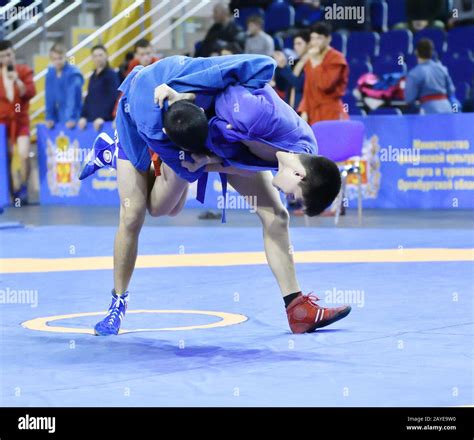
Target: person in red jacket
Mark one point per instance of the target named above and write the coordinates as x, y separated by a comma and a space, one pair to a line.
16, 89
326, 76
143, 55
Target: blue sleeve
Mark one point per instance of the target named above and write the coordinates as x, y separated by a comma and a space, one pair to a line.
50, 98
72, 111
450, 89
411, 88
214, 74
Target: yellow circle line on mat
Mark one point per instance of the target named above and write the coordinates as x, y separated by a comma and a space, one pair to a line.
402, 255
41, 324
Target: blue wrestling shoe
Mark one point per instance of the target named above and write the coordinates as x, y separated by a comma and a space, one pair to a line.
110, 325
104, 153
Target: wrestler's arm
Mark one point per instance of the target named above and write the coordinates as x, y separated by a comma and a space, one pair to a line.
214, 74
219, 168
211, 163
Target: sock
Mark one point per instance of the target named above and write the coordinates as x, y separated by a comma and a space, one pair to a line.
290, 297
120, 295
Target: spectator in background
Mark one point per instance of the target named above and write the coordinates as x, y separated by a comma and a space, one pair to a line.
230, 49
63, 90
289, 76
223, 30
426, 13
16, 89
429, 81
258, 42
464, 12
143, 55
102, 91
326, 76
123, 68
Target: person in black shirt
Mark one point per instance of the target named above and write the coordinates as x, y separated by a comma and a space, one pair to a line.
224, 30
102, 91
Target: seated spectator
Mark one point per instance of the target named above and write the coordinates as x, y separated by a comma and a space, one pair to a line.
464, 13
223, 30
143, 55
326, 77
101, 92
258, 42
289, 76
424, 13
230, 49
429, 82
16, 89
63, 90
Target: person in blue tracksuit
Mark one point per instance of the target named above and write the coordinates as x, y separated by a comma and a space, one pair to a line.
63, 90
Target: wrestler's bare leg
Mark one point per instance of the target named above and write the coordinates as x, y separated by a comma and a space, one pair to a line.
275, 222
168, 193
132, 187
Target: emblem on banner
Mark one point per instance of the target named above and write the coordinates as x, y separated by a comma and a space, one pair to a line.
63, 168
370, 171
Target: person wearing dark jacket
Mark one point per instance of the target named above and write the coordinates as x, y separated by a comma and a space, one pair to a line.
223, 30
102, 92
289, 74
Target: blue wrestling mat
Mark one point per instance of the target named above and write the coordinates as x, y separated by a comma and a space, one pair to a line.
207, 326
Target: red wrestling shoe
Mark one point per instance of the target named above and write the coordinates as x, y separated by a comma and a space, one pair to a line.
305, 316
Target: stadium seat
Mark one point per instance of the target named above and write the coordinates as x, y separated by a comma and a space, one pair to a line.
410, 61
278, 17
437, 36
349, 100
388, 64
278, 41
461, 39
362, 45
461, 70
396, 12
462, 91
245, 13
356, 111
379, 15
288, 42
386, 111
339, 42
448, 57
396, 42
306, 14
356, 70
346, 145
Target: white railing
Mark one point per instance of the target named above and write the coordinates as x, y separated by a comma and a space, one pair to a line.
96, 33
131, 42
26, 25
8, 6
48, 23
24, 11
